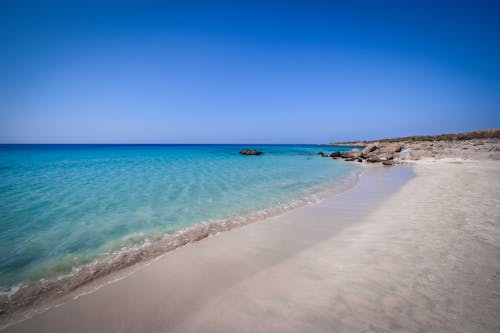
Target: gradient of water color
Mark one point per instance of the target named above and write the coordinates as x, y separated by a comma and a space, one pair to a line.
63, 206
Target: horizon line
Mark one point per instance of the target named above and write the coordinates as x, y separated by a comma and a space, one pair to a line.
131, 143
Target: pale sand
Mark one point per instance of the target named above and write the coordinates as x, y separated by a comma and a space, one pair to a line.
423, 258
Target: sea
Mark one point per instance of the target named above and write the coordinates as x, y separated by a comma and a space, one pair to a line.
66, 206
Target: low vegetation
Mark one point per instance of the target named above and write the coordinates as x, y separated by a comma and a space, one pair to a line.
481, 134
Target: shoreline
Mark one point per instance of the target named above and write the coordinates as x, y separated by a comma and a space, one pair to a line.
422, 256
115, 277
34, 298
476, 145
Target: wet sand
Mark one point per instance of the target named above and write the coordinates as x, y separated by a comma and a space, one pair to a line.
381, 257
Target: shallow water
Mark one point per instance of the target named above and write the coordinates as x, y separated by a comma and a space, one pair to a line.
63, 206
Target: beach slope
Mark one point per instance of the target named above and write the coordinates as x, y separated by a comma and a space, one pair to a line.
424, 256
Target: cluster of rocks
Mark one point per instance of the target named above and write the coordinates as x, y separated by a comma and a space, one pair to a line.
247, 151
372, 153
475, 149
390, 153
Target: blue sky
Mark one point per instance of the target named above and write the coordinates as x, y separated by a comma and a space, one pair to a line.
246, 72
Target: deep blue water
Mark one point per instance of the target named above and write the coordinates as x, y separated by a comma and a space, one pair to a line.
62, 206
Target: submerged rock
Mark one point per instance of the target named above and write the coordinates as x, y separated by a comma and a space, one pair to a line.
336, 154
247, 151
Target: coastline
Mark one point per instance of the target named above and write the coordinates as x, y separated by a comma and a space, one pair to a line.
415, 253
374, 175
64, 207
250, 167
34, 298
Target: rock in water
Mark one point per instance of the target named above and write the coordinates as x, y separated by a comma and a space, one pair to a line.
247, 151
336, 154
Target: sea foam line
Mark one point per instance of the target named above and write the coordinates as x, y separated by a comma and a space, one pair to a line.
45, 292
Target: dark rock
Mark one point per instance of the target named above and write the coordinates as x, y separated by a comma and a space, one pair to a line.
351, 159
388, 162
360, 160
247, 151
336, 154
367, 156
374, 159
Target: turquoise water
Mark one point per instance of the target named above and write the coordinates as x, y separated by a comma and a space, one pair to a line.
62, 206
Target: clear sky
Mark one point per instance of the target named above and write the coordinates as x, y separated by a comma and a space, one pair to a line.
246, 72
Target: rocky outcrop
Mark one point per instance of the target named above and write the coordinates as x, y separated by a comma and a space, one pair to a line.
374, 159
392, 148
247, 151
354, 153
370, 148
393, 152
389, 153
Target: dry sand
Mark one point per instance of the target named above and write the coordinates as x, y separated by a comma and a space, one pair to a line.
424, 257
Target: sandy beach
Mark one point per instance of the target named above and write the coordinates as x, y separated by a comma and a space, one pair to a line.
260, 166
409, 249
